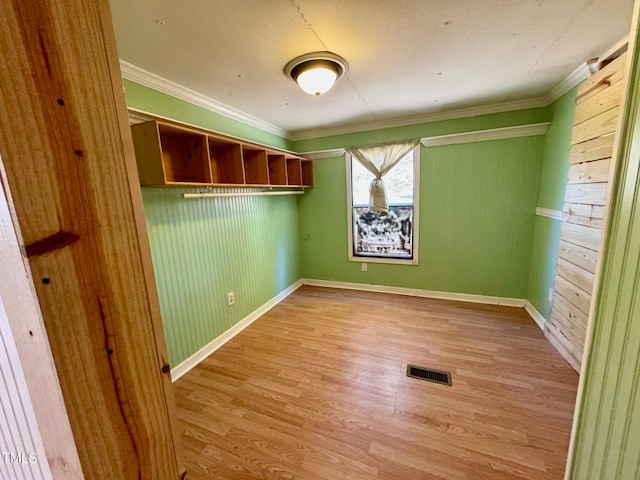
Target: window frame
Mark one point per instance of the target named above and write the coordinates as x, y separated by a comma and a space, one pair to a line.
416, 217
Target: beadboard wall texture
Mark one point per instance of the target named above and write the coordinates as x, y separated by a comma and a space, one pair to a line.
23, 453
553, 180
204, 248
477, 214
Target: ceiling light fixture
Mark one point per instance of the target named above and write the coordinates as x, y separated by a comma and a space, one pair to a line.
316, 72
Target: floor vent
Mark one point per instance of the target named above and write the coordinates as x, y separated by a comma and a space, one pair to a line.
429, 375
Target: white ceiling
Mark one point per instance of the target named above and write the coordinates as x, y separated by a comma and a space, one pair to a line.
406, 57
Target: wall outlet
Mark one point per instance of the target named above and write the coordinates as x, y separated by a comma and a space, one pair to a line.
364, 267
550, 295
231, 298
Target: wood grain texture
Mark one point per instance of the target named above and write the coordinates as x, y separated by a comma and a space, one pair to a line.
580, 256
589, 194
589, 172
583, 214
316, 389
596, 149
602, 124
587, 237
599, 82
68, 172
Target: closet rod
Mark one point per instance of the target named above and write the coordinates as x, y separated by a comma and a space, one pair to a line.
239, 194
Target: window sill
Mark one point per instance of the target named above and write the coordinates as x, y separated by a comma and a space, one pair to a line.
391, 261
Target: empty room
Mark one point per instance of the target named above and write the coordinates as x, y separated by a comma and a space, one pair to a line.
293, 239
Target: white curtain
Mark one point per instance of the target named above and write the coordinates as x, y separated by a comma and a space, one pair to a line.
379, 160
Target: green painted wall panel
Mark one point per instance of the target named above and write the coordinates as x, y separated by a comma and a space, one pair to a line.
544, 255
444, 127
161, 104
204, 248
477, 204
553, 181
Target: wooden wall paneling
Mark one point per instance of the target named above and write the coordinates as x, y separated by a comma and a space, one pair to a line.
575, 274
602, 124
577, 317
569, 350
581, 235
70, 173
595, 149
577, 297
608, 99
591, 160
582, 214
588, 193
600, 81
581, 256
589, 172
572, 330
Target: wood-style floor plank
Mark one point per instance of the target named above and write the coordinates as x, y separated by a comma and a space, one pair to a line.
316, 390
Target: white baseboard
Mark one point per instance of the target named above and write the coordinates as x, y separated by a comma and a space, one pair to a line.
535, 314
179, 370
415, 292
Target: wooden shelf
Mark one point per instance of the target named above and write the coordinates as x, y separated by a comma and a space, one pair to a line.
294, 171
277, 169
256, 171
307, 172
226, 162
173, 155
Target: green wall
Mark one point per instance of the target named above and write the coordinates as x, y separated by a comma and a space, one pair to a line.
204, 248
157, 103
477, 207
553, 180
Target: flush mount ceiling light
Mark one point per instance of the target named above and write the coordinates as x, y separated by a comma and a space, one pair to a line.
316, 72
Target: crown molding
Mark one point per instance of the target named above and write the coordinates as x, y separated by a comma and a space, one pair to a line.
418, 119
319, 154
156, 82
575, 78
484, 135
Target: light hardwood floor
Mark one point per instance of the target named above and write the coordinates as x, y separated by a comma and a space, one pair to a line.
317, 389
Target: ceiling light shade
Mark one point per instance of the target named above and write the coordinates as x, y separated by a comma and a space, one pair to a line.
316, 72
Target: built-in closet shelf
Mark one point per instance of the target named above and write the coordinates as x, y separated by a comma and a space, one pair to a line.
172, 155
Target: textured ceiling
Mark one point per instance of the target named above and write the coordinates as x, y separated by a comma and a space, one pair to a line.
406, 57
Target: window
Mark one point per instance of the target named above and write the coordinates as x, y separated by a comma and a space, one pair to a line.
391, 238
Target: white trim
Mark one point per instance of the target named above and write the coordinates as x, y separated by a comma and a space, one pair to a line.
415, 292
564, 353
575, 78
195, 359
136, 116
416, 217
484, 135
156, 82
319, 154
535, 315
547, 212
186, 365
428, 117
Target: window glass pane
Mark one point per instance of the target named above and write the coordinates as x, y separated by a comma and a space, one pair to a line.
388, 236
360, 179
